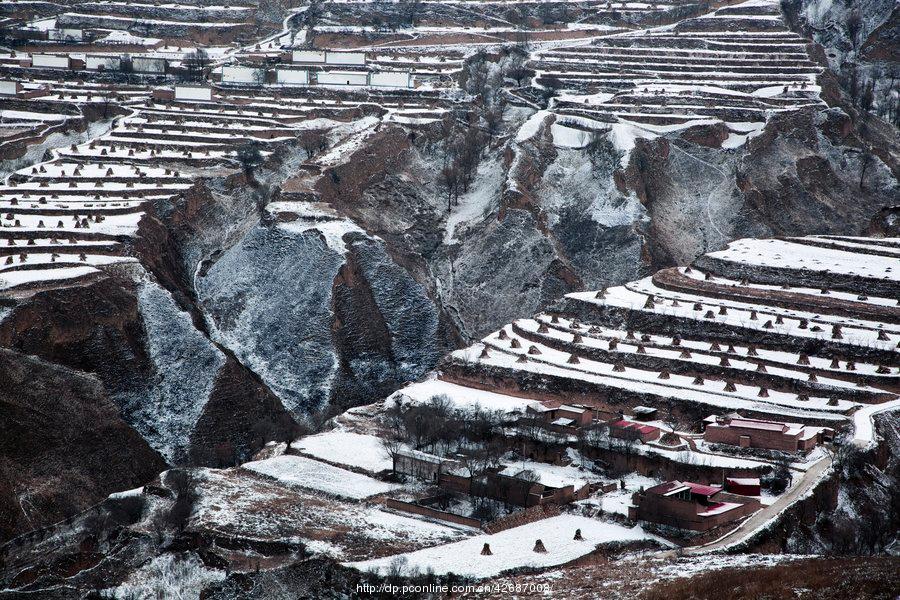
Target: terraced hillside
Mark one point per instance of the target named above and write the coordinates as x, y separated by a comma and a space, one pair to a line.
800, 328
224, 227
737, 65
64, 218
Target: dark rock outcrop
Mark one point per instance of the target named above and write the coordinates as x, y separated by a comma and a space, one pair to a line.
64, 445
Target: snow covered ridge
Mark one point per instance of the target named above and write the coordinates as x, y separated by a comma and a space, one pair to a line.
735, 66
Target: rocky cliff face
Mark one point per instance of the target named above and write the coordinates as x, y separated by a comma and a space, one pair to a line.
793, 179
859, 38
64, 444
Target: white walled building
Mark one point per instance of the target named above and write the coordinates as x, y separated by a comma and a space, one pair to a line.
193, 93
308, 56
50, 61
292, 76
394, 79
345, 58
10, 88
102, 62
150, 65
247, 75
352, 78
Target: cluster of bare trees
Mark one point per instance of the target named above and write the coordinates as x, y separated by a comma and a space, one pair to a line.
196, 65
396, 15
528, 14
467, 135
313, 142
438, 427
461, 157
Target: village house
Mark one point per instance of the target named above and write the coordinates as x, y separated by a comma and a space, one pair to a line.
692, 506
735, 430
564, 415
629, 430
526, 488
421, 465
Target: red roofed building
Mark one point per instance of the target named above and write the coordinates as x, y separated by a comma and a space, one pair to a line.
688, 505
757, 433
629, 430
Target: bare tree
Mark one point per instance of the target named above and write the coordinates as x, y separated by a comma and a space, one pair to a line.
250, 158
865, 160
313, 141
196, 64
854, 26
671, 419
516, 69
392, 448
449, 182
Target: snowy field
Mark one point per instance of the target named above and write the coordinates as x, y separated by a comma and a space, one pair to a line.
235, 502
347, 448
464, 398
318, 476
791, 255
513, 548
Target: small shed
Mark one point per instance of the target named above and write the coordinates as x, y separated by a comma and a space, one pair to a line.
644, 413
745, 486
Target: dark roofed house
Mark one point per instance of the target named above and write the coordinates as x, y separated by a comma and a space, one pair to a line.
688, 505
644, 413
564, 416
745, 486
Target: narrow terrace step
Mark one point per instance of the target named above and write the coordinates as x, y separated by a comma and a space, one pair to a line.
674, 280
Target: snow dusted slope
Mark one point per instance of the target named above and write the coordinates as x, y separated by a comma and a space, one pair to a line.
185, 365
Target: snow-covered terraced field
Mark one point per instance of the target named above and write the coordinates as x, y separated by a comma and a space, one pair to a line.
54, 213
736, 65
742, 340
